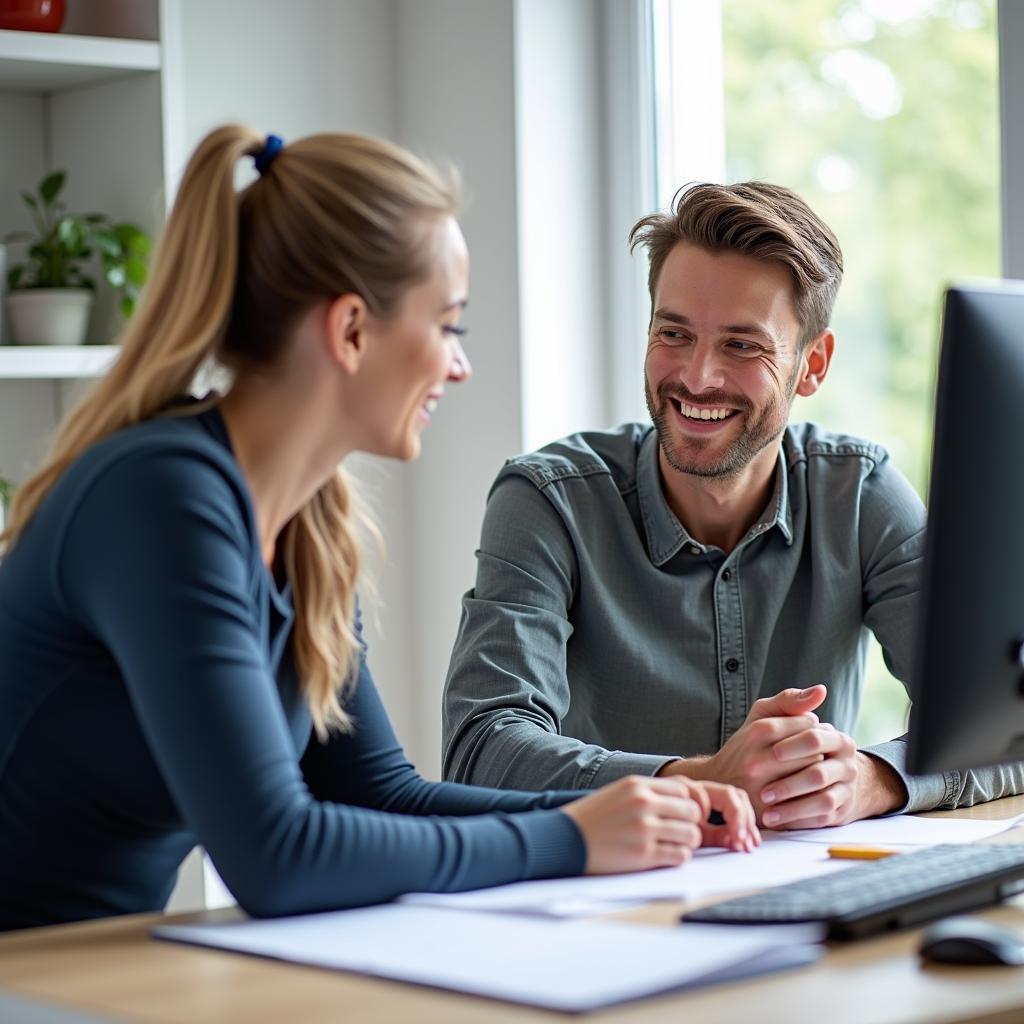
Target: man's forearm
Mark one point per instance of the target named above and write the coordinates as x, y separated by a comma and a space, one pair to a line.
522, 755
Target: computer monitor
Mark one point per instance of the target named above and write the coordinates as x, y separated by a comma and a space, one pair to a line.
968, 685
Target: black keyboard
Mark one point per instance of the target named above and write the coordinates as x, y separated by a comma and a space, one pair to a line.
882, 895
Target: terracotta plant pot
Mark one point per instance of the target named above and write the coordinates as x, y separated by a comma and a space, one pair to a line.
49, 316
32, 15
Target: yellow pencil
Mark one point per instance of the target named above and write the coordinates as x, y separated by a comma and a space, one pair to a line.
859, 852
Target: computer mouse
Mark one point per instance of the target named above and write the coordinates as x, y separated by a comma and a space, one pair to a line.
972, 940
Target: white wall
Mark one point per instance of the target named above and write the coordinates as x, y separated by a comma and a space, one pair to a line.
295, 68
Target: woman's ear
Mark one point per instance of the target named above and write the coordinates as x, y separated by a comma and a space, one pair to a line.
347, 323
816, 359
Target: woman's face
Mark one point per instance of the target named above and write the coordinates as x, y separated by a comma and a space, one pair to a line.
418, 350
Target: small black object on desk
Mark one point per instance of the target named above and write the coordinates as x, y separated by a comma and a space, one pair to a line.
972, 940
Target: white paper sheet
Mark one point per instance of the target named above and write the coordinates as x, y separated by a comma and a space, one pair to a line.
711, 872
906, 830
783, 857
559, 965
778, 860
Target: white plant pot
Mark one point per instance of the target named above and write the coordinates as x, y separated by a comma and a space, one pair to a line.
49, 316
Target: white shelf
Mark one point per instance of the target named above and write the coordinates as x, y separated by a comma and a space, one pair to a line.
44, 61
54, 362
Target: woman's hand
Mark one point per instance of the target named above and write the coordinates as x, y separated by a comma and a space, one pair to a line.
735, 821
639, 823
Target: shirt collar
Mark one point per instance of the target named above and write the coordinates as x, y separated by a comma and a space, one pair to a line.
666, 535
779, 511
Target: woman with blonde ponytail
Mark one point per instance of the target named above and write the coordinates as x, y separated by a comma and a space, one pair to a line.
181, 659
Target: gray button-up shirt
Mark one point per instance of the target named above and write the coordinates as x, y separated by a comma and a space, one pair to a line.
602, 640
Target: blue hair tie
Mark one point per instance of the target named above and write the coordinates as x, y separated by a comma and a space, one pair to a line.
265, 157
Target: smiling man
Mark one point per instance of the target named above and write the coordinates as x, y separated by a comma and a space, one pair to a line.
696, 597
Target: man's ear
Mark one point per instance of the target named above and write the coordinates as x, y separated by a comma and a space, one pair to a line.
347, 323
816, 359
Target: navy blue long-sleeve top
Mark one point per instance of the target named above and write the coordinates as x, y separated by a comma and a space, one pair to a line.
149, 702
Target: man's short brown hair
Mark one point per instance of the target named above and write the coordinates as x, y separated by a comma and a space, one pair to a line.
755, 219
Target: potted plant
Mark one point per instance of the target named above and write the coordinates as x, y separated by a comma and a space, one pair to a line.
51, 291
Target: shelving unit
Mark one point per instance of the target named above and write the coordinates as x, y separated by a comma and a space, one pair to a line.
89, 100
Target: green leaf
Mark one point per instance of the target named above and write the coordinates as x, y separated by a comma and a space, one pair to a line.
116, 276
127, 234
30, 200
137, 271
127, 306
14, 276
107, 243
51, 186
19, 236
69, 231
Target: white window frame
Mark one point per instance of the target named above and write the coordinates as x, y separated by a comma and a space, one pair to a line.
689, 95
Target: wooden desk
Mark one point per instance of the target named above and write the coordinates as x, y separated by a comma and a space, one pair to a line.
113, 968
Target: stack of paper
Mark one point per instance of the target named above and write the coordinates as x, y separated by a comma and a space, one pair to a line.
559, 965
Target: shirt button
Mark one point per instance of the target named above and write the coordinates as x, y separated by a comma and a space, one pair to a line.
694, 550
732, 664
727, 575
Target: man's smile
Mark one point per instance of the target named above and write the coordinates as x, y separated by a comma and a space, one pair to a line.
702, 419
701, 412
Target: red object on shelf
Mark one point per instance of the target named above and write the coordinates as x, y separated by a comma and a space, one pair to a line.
32, 15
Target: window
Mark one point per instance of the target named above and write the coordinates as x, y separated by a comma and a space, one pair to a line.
883, 115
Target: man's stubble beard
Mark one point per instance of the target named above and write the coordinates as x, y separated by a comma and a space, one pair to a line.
755, 437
